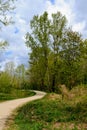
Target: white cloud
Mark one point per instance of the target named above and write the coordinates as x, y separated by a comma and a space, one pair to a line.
15, 33
79, 27
24, 12
66, 8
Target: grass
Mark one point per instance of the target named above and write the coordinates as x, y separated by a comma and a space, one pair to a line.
15, 94
52, 113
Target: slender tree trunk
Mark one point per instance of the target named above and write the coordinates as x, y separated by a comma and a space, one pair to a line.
54, 75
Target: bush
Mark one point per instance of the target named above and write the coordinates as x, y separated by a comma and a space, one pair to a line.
5, 83
26, 85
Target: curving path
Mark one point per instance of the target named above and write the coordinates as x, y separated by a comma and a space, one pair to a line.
7, 107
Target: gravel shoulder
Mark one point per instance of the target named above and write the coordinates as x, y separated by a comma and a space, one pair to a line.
6, 108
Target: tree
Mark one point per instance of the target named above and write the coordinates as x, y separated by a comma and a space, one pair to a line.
83, 64
10, 68
7, 77
20, 74
5, 82
3, 45
45, 43
71, 54
38, 41
56, 53
5, 7
21, 71
57, 32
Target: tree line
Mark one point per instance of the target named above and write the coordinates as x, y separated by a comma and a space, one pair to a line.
13, 78
58, 54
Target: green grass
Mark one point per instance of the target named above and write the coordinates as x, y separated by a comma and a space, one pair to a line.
15, 94
52, 113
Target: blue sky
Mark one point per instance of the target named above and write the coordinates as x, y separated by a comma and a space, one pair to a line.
52, 1
75, 11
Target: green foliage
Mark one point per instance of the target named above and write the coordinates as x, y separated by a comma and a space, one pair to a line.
6, 6
13, 82
5, 83
3, 44
39, 44
11, 86
58, 54
13, 78
15, 94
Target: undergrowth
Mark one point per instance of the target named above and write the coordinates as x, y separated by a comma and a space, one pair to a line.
15, 93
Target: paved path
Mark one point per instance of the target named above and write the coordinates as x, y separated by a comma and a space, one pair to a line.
7, 107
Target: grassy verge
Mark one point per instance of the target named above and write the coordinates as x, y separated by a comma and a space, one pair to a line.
52, 113
15, 94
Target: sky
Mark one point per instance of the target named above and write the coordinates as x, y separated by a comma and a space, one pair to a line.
74, 10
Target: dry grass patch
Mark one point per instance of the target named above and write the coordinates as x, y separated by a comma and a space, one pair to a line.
54, 96
69, 126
